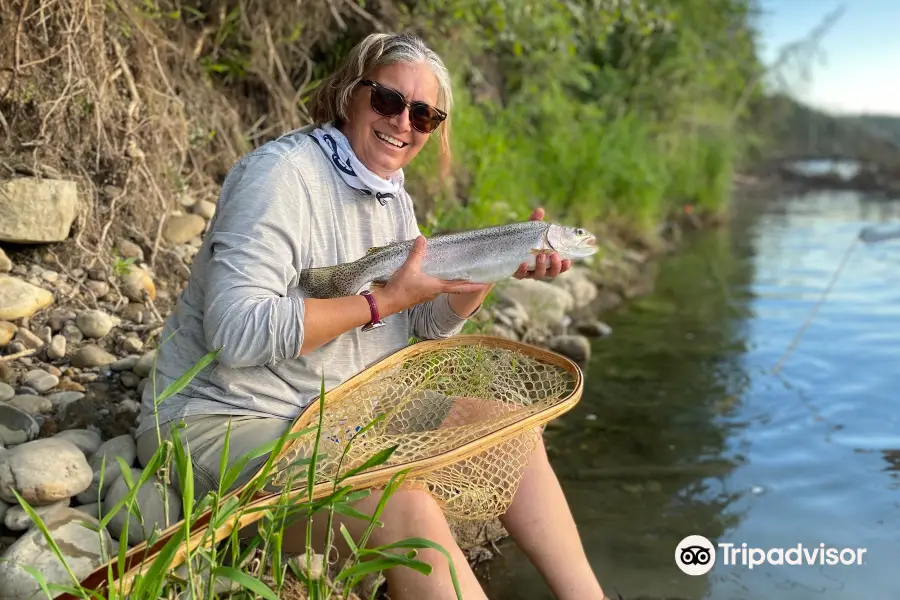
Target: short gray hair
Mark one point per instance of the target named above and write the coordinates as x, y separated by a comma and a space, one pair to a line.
331, 99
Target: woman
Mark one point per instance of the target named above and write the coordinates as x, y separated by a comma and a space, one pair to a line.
321, 196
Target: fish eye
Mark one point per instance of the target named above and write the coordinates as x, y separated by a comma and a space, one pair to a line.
579, 231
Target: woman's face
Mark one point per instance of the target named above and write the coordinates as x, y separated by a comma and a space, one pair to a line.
386, 144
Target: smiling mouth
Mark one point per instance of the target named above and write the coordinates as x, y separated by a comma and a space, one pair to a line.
391, 141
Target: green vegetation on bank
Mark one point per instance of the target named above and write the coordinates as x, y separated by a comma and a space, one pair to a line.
608, 111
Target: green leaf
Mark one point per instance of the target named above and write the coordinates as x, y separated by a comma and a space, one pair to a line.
378, 458
180, 383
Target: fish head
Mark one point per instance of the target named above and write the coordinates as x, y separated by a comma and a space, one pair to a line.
571, 242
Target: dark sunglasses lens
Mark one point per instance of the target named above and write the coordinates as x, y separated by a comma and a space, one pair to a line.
387, 102
424, 118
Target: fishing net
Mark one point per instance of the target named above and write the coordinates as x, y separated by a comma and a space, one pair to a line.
464, 415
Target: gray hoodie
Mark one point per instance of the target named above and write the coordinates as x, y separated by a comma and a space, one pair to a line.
283, 208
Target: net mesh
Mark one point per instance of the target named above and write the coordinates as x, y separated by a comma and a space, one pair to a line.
457, 407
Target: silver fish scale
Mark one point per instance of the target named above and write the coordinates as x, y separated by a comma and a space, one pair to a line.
483, 255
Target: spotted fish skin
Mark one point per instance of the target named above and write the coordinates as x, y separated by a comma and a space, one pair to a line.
483, 255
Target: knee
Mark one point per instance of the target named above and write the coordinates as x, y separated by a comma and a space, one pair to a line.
414, 513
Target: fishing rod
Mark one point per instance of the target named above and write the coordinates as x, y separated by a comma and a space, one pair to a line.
867, 235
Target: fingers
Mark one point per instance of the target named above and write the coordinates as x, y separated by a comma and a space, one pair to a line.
537, 215
464, 287
522, 271
540, 266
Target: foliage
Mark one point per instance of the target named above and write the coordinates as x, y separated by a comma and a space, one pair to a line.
256, 566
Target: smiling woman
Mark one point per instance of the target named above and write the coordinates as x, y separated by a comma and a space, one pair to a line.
317, 197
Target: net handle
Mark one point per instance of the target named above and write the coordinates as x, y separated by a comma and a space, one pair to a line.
137, 559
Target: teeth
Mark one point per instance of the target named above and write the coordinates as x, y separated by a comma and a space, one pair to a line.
390, 140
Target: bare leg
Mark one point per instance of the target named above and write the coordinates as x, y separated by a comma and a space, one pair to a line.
408, 513
539, 519
541, 524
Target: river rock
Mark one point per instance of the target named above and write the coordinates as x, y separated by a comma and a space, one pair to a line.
57, 347
60, 400
576, 347
94, 323
128, 249
500, 330
33, 405
152, 509
205, 209
3, 508
17, 519
37, 210
129, 379
98, 288
593, 328
511, 314
20, 299
577, 282
91, 356
5, 264
123, 447
7, 331
83, 548
181, 229
144, 364
545, 303
137, 282
28, 339
6, 392
84, 439
132, 345
40, 380
16, 426
43, 471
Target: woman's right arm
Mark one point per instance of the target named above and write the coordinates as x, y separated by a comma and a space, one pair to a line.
258, 234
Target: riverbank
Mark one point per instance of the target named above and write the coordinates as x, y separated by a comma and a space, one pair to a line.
76, 349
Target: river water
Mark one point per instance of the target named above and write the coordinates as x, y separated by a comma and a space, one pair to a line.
688, 427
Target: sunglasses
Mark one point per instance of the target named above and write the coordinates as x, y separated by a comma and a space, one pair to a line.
389, 102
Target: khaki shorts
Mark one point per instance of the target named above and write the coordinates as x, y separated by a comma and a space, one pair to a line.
204, 435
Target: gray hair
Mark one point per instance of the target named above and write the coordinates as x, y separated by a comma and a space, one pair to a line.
331, 99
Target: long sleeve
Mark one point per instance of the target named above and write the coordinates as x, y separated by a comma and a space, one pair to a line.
255, 244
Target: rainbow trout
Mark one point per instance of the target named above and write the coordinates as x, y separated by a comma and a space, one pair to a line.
481, 256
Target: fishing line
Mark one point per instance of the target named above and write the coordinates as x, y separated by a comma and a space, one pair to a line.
868, 235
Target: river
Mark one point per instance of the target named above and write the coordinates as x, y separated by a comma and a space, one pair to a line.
686, 425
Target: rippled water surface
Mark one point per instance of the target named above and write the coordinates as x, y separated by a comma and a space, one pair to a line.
686, 428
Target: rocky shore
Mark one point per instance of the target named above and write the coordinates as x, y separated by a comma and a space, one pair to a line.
76, 348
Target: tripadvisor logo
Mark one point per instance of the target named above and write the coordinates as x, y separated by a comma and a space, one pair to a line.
695, 555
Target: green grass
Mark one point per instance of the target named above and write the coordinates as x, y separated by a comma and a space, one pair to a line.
266, 575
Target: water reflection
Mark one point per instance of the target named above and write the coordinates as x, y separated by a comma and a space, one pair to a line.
685, 429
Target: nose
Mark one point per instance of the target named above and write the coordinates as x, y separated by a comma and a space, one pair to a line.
401, 121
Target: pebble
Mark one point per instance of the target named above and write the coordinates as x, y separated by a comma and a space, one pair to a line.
19, 298
153, 510
73, 334
132, 345
45, 334
50, 276
83, 549
30, 341
91, 356
5, 264
16, 426
128, 249
576, 347
205, 209
6, 392
44, 471
144, 364
58, 319
17, 519
123, 447
136, 282
124, 364
84, 439
7, 331
129, 379
94, 323
41, 380
134, 311
57, 347
182, 228
98, 288
33, 405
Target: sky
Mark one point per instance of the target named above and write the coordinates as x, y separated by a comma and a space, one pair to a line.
858, 70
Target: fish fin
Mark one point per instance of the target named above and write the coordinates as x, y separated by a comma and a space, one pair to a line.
539, 251
374, 249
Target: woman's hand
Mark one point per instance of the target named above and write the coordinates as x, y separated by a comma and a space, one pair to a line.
546, 265
410, 286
